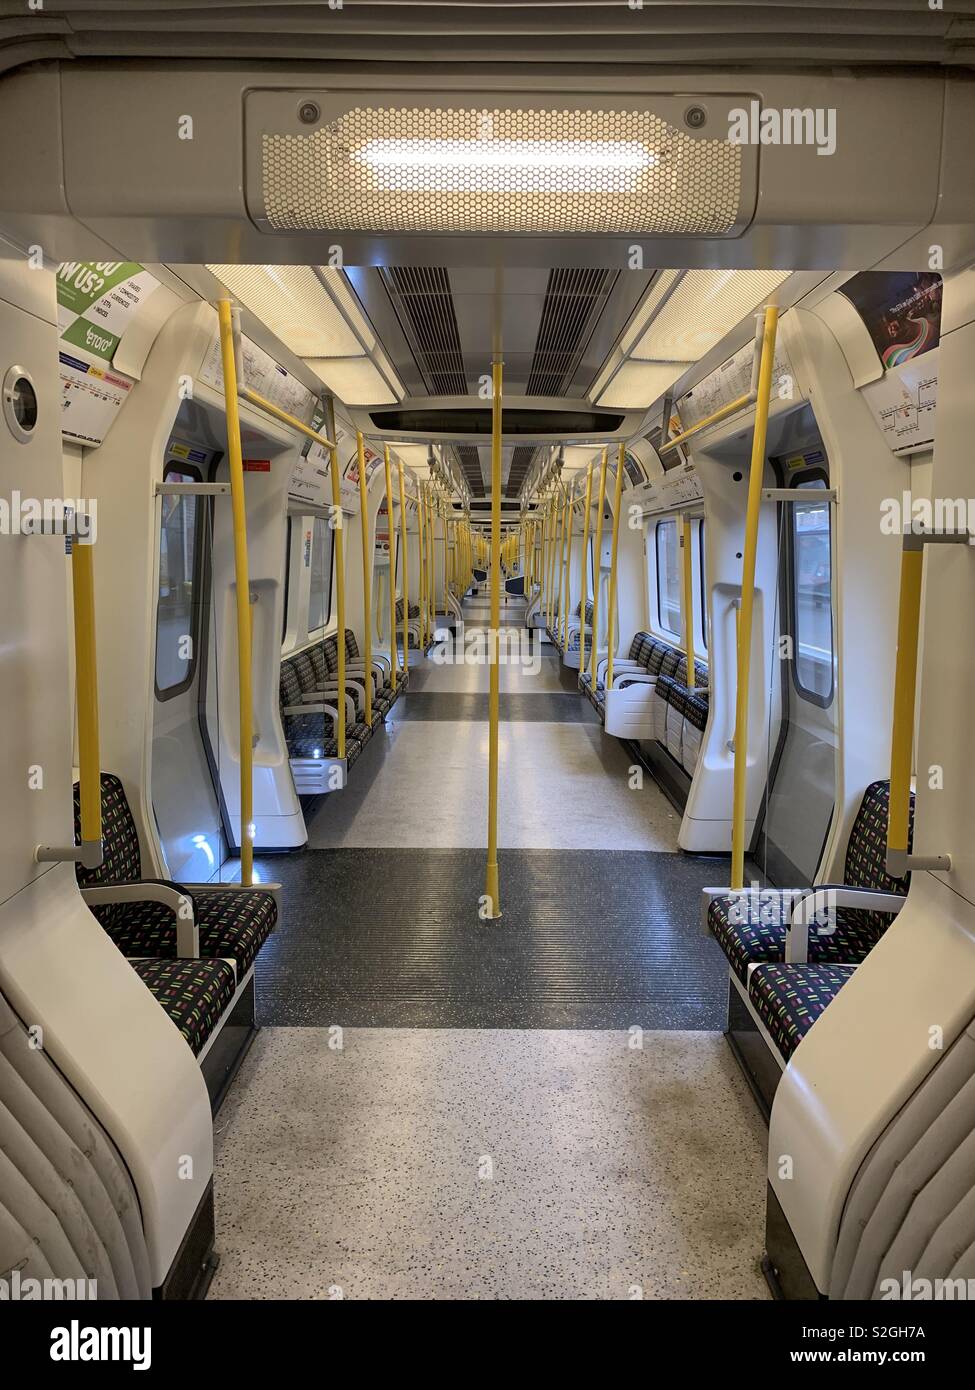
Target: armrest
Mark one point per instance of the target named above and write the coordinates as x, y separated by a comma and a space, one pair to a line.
818, 907
313, 698
639, 677
179, 901
320, 708
274, 888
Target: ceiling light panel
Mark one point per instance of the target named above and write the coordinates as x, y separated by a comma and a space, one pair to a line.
354, 380
295, 305
660, 288
338, 287
705, 306
638, 384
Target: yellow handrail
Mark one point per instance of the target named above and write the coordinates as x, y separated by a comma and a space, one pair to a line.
256, 398
738, 404
242, 585
421, 559
755, 477
89, 756
905, 686
567, 586
597, 563
406, 571
337, 522
492, 887
688, 614
393, 658
614, 549
584, 587
366, 570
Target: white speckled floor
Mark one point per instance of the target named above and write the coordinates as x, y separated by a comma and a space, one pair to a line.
614, 1169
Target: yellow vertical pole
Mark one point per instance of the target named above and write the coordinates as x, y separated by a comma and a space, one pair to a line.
613, 566
337, 522
89, 756
905, 687
755, 476
596, 563
421, 561
492, 888
406, 571
432, 564
242, 587
688, 598
393, 658
567, 587
584, 588
366, 570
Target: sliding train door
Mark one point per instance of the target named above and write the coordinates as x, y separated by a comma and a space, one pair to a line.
800, 794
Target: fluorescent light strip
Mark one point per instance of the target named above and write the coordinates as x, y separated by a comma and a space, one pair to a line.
705, 306
295, 305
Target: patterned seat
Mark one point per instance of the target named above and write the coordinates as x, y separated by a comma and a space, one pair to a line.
313, 735
194, 993
790, 998
233, 924
750, 933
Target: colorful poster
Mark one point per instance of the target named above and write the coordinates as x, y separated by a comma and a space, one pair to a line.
98, 300
91, 397
900, 309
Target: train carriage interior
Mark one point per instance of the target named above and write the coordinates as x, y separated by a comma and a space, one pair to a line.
484, 539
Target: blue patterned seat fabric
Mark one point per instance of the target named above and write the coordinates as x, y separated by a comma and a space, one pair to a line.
790, 998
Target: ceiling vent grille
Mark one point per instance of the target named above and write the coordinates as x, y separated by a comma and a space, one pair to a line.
521, 461
574, 300
469, 458
421, 297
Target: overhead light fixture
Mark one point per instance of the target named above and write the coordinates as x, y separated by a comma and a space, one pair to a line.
705, 305
474, 166
638, 384
355, 381
295, 305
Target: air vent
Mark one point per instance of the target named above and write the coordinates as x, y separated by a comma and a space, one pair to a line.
574, 299
422, 300
470, 461
521, 461
451, 421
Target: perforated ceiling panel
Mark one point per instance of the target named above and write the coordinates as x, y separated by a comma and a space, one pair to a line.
451, 169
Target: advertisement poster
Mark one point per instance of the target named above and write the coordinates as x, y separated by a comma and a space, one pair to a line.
901, 311
97, 300
91, 397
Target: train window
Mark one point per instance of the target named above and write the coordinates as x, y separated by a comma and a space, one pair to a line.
177, 604
812, 592
668, 577
704, 585
320, 595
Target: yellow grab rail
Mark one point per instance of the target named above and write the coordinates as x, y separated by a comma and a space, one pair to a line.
567, 586
688, 596
597, 562
337, 522
492, 887
393, 658
584, 586
366, 570
755, 477
406, 571
905, 686
614, 552
89, 756
242, 585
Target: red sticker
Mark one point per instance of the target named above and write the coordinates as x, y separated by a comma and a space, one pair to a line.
257, 465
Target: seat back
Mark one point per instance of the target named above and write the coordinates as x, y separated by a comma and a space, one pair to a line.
122, 862
866, 852
289, 683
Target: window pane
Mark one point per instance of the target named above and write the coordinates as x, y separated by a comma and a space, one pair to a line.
668, 577
319, 603
812, 584
175, 612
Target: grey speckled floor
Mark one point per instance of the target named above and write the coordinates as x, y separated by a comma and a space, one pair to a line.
614, 1170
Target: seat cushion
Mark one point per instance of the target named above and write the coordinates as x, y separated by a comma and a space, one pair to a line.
760, 935
790, 998
194, 993
233, 925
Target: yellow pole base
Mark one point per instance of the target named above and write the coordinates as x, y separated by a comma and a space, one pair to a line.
490, 909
